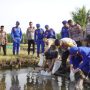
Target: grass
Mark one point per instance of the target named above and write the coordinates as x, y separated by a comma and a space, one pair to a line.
23, 53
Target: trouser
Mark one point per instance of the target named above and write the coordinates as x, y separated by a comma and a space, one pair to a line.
16, 47
40, 46
79, 43
4, 49
29, 46
64, 58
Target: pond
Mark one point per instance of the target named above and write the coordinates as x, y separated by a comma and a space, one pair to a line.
29, 79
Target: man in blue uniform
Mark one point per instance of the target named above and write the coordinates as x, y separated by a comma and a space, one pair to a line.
39, 36
84, 53
65, 29
49, 33
16, 35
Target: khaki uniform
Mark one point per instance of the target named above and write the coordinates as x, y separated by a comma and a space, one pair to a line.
3, 38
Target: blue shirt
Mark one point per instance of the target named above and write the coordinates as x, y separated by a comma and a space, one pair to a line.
39, 34
50, 34
16, 33
64, 32
85, 53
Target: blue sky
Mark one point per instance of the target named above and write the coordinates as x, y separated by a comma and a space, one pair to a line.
51, 12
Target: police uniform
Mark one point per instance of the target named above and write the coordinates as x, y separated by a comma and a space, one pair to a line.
39, 36
50, 34
85, 54
16, 35
64, 30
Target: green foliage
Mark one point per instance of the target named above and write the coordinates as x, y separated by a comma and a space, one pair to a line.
80, 16
58, 36
23, 38
9, 38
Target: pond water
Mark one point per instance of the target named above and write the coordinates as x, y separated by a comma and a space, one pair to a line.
29, 79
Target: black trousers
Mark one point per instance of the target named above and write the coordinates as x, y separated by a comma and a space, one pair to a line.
64, 58
31, 42
4, 49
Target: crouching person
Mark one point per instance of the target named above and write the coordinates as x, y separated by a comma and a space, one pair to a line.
51, 56
81, 65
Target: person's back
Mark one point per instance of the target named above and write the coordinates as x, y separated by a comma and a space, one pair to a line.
85, 52
67, 42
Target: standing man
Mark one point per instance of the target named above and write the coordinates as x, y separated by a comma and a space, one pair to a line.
30, 37
75, 32
39, 36
3, 39
16, 35
65, 29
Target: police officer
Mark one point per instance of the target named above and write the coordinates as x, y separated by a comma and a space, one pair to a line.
39, 36
84, 65
16, 35
65, 29
49, 33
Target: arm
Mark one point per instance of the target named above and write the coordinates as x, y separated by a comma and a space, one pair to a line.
6, 40
70, 33
61, 33
80, 31
54, 34
71, 64
27, 34
12, 33
20, 34
35, 36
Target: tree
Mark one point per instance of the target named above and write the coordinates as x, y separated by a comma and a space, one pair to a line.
9, 38
80, 16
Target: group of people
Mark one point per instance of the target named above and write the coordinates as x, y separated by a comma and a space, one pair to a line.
50, 46
33, 36
71, 48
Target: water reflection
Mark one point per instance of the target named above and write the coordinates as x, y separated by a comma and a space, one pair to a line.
22, 80
2, 82
15, 83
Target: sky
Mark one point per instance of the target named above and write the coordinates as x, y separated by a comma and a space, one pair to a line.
50, 12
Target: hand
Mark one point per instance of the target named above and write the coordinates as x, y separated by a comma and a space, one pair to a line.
76, 70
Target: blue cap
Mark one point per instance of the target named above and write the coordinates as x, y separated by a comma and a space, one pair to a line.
37, 25
64, 22
73, 50
46, 26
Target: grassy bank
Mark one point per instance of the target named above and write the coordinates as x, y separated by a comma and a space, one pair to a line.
17, 61
23, 53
